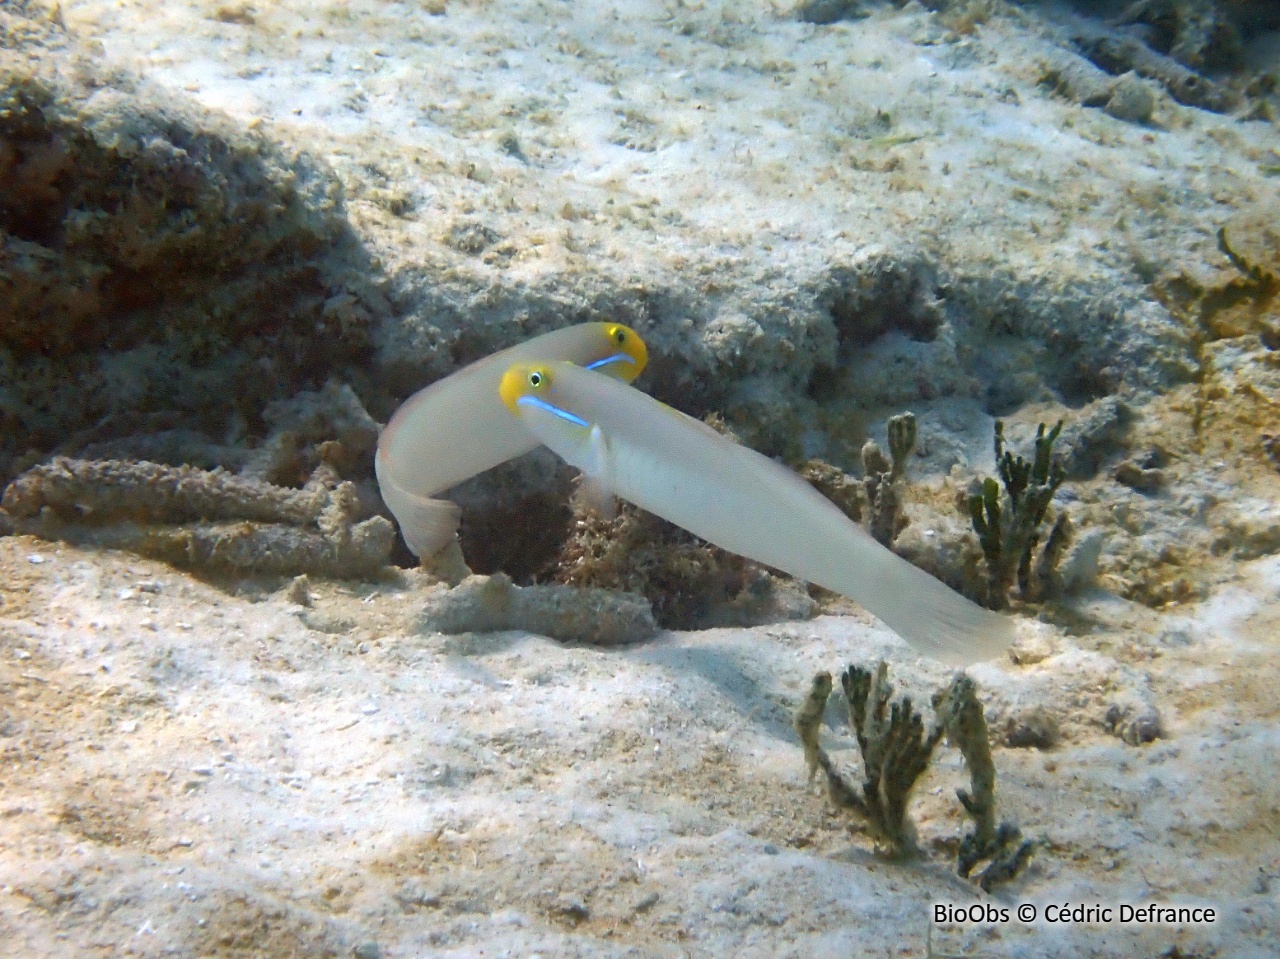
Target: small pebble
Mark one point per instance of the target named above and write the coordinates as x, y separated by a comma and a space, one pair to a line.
1136, 478
1031, 728
299, 591
570, 909
1131, 99
367, 950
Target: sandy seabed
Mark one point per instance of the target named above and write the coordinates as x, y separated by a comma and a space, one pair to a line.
199, 770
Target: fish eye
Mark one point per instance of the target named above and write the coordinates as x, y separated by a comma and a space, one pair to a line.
620, 336
535, 379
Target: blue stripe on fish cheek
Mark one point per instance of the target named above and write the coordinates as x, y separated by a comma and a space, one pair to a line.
555, 410
616, 358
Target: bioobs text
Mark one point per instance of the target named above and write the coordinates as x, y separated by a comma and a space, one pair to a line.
945, 912
1074, 913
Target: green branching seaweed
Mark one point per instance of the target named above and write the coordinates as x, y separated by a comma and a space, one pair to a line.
896, 751
809, 720
902, 440
885, 478
1009, 528
1002, 846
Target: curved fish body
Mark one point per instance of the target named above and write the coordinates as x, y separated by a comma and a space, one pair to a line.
672, 465
457, 427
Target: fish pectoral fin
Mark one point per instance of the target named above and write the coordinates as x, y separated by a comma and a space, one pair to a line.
597, 477
597, 498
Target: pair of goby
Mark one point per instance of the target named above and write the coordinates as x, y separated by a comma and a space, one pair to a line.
569, 390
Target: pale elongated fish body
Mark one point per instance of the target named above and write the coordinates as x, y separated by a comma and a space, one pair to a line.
458, 427
687, 473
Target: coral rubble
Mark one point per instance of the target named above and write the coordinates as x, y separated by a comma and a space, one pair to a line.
691, 584
208, 520
489, 604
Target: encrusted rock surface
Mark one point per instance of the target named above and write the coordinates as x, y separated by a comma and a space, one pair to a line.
233, 237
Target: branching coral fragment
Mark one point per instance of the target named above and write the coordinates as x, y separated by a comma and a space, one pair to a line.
1191, 30
151, 492
895, 750
200, 518
1119, 54
490, 604
902, 442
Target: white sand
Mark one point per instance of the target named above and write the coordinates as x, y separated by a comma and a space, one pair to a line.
189, 772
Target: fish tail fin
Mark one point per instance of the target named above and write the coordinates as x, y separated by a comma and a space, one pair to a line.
427, 525
936, 620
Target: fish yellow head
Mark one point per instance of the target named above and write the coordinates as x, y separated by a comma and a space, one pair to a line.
528, 382
621, 352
